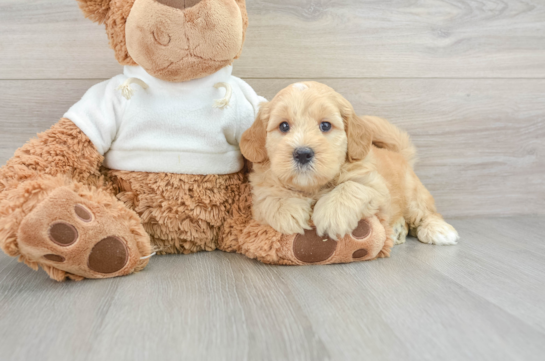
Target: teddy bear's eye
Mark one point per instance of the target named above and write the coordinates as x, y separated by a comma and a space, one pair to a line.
325, 126
284, 127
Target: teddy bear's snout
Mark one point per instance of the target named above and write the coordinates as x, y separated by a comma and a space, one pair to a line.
180, 40
180, 4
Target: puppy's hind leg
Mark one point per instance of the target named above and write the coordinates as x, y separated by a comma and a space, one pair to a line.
434, 230
424, 220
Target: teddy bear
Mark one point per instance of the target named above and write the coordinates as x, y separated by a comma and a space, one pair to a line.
149, 161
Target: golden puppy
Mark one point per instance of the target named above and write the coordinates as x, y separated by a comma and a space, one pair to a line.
315, 159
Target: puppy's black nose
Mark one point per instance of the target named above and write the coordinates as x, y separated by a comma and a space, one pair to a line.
303, 155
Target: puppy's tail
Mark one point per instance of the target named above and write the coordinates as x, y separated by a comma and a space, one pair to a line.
388, 136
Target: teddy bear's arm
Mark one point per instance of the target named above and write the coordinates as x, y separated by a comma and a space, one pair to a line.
253, 103
76, 144
62, 150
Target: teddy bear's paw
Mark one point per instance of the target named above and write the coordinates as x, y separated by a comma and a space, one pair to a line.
362, 244
90, 235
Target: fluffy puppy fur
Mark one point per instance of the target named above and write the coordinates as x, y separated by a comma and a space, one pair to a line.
317, 163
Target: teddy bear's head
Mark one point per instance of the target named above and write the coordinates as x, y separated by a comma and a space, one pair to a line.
173, 40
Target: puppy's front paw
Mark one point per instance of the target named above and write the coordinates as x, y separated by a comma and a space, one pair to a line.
334, 219
289, 216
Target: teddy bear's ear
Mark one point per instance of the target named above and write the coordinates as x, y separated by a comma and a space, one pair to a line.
114, 14
96, 10
242, 5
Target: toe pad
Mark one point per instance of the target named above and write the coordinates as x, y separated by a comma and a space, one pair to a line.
83, 213
362, 231
54, 258
63, 234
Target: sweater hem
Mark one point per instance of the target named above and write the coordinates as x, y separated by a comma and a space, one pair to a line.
174, 162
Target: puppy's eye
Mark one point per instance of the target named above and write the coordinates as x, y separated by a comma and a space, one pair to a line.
284, 127
325, 126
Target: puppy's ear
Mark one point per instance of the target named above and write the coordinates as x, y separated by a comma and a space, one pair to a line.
96, 10
360, 136
253, 141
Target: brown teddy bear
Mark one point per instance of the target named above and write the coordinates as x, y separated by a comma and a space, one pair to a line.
149, 161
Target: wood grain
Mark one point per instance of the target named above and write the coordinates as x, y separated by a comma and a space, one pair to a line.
481, 142
480, 300
50, 39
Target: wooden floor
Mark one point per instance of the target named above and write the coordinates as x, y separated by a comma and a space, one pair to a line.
480, 300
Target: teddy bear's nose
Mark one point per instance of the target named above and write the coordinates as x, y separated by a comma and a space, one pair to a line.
179, 4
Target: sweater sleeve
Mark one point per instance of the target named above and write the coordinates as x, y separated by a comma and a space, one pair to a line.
254, 100
98, 114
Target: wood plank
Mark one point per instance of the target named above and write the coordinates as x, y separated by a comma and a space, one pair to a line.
47, 39
501, 260
481, 142
442, 317
424, 303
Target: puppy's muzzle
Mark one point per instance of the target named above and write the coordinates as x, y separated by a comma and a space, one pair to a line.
303, 156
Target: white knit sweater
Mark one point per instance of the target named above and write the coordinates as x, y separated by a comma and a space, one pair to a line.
168, 127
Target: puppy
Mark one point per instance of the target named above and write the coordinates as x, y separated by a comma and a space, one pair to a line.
317, 162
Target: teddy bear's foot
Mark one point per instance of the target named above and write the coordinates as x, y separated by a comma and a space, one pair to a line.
78, 232
364, 244
368, 241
